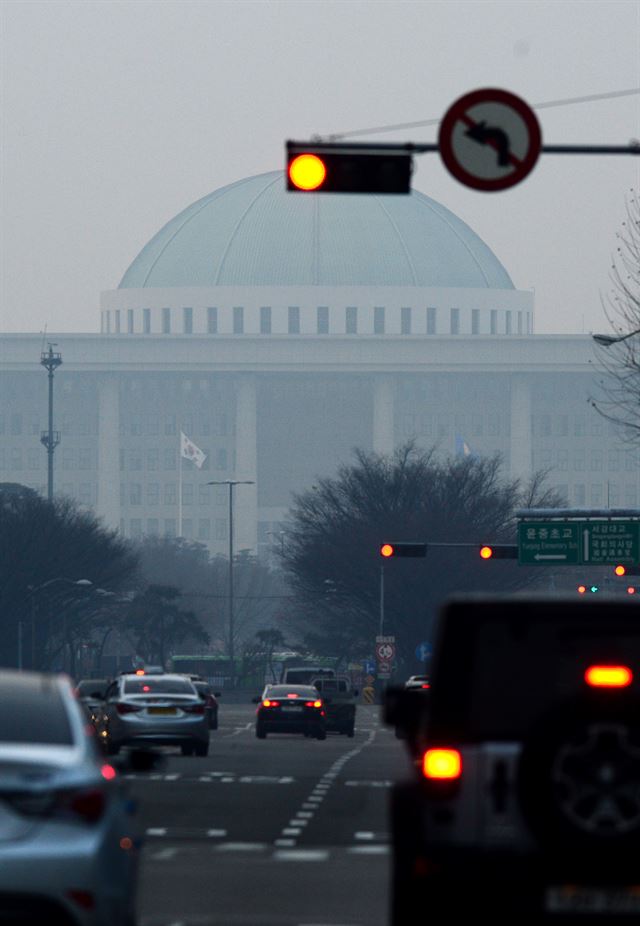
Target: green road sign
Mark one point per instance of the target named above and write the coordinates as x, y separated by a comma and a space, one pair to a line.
548, 543
572, 543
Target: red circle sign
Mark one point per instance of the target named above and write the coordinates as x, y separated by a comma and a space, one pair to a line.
489, 139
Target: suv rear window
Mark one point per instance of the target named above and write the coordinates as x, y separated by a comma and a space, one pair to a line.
33, 713
499, 666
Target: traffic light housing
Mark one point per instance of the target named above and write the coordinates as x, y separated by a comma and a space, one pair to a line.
332, 167
389, 550
498, 551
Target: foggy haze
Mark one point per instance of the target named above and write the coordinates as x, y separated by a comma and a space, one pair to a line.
116, 115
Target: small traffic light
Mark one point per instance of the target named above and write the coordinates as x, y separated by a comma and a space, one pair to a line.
340, 167
582, 589
594, 589
620, 570
499, 551
631, 590
403, 549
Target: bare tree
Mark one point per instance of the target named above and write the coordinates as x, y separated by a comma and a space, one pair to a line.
618, 394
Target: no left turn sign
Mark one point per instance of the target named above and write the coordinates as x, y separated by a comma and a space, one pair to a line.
489, 139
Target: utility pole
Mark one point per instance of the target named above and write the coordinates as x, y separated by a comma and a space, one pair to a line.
50, 438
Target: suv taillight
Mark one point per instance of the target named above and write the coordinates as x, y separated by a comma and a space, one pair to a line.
608, 676
442, 764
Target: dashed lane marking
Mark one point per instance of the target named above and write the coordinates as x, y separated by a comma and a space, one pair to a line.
241, 847
301, 855
363, 783
368, 850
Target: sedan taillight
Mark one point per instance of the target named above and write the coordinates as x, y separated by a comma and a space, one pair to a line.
193, 708
125, 708
442, 764
88, 804
313, 703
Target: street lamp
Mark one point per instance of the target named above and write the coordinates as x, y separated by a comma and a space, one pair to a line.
33, 589
606, 340
231, 483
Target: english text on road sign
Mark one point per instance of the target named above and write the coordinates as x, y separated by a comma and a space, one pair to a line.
596, 542
489, 139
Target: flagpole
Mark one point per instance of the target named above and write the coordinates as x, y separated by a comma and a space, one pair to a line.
180, 484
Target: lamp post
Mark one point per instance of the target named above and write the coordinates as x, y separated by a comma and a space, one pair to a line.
50, 438
231, 483
33, 589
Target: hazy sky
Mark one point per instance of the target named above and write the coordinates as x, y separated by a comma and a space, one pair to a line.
116, 115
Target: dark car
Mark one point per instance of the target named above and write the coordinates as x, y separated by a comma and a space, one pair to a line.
526, 798
340, 704
291, 709
90, 692
210, 698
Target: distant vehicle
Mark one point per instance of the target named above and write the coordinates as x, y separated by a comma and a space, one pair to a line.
526, 795
304, 674
68, 841
340, 704
157, 709
291, 709
210, 698
90, 693
418, 681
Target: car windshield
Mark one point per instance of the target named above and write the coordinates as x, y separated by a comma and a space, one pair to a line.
87, 687
33, 713
299, 691
146, 684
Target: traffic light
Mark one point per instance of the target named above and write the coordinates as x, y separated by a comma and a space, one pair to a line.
498, 551
339, 167
403, 549
583, 589
620, 570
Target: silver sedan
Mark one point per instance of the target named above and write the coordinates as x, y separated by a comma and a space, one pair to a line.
68, 842
163, 710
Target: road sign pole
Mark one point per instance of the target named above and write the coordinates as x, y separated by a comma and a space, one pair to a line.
381, 628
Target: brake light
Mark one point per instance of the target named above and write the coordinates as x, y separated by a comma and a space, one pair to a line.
139, 671
608, 676
426, 685
124, 708
313, 703
193, 708
88, 805
292, 695
442, 764
267, 703
108, 772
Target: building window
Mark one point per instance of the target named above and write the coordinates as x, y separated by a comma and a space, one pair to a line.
596, 461
169, 527
108, 316
135, 493
294, 319
351, 319
519, 322
170, 459
431, 319
378, 319
323, 319
204, 494
117, 320
238, 319
170, 493
507, 322
221, 458
153, 460
146, 321
475, 321
187, 493
455, 321
265, 319
221, 529
166, 321
579, 494
493, 321
405, 319
204, 530
614, 461
16, 425
187, 320
153, 494
84, 458
563, 460
153, 527
136, 528
129, 321
579, 460
212, 320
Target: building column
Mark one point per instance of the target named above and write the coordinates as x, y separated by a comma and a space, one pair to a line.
521, 444
108, 507
245, 509
383, 433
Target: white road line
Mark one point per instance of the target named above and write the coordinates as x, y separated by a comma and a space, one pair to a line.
363, 835
163, 855
298, 822
301, 855
291, 831
157, 831
171, 777
241, 847
227, 779
304, 814
368, 850
310, 805
285, 842
214, 833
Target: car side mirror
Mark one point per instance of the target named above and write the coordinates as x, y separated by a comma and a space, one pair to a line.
256, 700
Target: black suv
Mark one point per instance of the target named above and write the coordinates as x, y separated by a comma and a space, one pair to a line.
525, 804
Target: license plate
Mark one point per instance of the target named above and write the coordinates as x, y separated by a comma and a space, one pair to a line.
292, 708
161, 710
575, 899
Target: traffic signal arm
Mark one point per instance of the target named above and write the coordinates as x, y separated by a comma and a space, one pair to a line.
332, 167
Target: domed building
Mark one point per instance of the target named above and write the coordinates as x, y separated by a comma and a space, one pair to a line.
278, 332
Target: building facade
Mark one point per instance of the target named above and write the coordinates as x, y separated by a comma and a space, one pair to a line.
281, 331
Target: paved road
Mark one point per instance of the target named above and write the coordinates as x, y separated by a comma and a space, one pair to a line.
282, 832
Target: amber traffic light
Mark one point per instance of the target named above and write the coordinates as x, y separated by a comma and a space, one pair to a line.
620, 570
403, 549
339, 167
498, 551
